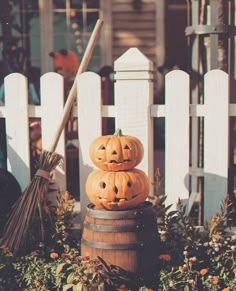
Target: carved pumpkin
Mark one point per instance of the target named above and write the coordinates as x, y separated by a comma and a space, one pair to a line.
117, 190
116, 152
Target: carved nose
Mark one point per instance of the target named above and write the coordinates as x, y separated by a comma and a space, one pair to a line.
114, 153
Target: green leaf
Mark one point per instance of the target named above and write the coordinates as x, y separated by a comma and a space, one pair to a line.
60, 268
79, 287
172, 213
101, 287
67, 287
70, 278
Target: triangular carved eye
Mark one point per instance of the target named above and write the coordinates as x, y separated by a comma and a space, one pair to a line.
127, 147
129, 184
102, 147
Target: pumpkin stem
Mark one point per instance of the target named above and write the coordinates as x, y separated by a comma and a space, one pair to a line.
118, 132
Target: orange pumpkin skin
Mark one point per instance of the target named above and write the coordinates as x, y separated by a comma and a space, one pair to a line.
117, 190
116, 152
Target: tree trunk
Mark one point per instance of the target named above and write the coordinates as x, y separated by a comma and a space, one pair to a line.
222, 45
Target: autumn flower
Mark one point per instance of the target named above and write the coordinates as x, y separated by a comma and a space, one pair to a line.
37, 283
226, 289
181, 269
203, 271
54, 255
215, 280
193, 259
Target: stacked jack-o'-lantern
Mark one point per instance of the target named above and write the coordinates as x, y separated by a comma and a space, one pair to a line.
120, 226
117, 184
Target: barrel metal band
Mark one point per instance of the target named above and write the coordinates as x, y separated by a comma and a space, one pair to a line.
144, 209
111, 246
42, 173
114, 228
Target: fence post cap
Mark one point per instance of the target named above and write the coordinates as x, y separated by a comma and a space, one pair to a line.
133, 60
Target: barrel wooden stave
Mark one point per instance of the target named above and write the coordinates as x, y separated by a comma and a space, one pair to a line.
135, 233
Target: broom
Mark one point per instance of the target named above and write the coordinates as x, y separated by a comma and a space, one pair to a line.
30, 202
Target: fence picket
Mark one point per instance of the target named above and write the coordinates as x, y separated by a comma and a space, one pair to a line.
216, 152
89, 108
177, 136
17, 128
52, 102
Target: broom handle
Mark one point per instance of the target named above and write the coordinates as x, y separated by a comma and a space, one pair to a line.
72, 94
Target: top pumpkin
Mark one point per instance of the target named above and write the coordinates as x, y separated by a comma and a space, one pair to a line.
116, 152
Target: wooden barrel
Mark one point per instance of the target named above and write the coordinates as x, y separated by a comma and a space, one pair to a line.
126, 238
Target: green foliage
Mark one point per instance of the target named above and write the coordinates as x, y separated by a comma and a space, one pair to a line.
189, 260
37, 270
7, 272
196, 260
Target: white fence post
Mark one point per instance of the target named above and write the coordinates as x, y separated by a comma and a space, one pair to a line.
133, 99
216, 141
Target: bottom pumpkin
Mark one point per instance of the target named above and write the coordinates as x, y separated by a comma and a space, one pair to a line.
117, 190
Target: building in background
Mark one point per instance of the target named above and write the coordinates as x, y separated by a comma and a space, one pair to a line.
40, 27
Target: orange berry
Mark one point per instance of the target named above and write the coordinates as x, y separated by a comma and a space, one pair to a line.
54, 255
215, 280
36, 282
181, 269
203, 271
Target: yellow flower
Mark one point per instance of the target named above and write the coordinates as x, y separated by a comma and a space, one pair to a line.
54, 255
203, 271
226, 289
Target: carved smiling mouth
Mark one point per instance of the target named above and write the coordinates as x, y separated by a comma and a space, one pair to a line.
117, 200
116, 162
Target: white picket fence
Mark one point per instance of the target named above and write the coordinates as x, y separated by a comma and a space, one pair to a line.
134, 113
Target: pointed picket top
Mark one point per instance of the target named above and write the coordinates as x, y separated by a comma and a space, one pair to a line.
133, 60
